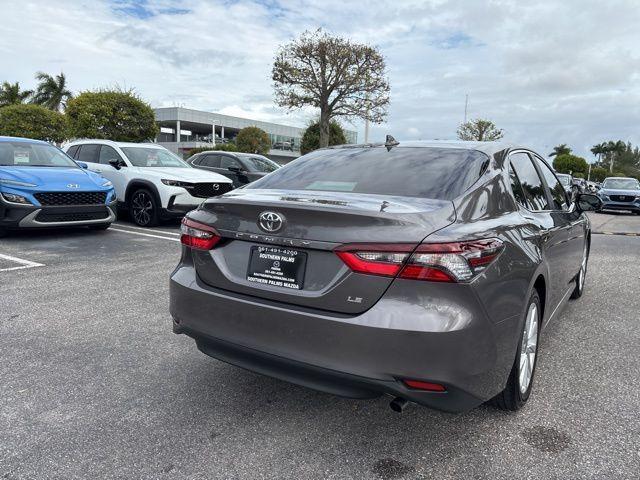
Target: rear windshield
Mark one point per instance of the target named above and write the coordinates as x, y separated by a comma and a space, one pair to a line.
438, 173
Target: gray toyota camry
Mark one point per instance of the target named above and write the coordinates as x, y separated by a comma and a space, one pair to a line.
421, 270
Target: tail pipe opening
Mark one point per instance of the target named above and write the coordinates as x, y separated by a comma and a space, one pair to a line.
398, 404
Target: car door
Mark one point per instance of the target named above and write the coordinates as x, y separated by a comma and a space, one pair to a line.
566, 217
227, 161
88, 153
548, 230
110, 172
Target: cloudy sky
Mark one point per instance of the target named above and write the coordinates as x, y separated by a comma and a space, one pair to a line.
547, 72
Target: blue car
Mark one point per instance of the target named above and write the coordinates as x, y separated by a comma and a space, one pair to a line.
620, 193
40, 187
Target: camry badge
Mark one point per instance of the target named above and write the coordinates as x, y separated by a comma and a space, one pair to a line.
270, 221
73, 185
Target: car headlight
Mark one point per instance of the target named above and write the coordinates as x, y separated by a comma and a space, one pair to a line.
14, 183
176, 183
13, 198
107, 184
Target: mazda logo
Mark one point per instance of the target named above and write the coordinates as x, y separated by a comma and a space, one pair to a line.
73, 185
270, 221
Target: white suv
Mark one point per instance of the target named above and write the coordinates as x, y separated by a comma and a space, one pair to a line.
151, 182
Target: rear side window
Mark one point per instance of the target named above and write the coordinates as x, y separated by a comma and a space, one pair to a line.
516, 187
210, 161
438, 173
72, 151
557, 190
88, 153
531, 182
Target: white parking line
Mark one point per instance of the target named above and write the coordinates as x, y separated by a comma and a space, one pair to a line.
23, 263
123, 225
143, 234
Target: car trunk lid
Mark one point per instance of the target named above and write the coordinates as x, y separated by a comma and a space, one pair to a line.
313, 225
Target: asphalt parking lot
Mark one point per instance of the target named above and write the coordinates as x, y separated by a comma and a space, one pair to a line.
95, 385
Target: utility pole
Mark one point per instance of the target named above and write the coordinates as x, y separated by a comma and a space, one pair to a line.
589, 174
466, 104
366, 131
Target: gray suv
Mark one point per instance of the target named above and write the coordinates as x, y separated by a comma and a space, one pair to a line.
422, 270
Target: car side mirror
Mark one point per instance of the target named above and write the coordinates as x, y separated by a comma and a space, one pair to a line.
587, 202
234, 169
116, 163
82, 164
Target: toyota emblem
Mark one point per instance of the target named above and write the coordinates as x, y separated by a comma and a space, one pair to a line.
270, 221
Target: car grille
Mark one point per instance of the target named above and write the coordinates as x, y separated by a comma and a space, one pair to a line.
71, 198
622, 198
206, 190
50, 217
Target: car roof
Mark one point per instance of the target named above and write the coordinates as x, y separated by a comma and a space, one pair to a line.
490, 148
22, 140
620, 178
117, 144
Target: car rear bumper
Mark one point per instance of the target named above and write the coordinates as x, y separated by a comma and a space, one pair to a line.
348, 355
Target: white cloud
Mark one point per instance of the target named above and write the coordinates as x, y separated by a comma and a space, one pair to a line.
547, 72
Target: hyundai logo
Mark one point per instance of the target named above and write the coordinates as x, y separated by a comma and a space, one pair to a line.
73, 185
270, 221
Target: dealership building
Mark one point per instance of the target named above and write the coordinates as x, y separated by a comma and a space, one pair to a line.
182, 129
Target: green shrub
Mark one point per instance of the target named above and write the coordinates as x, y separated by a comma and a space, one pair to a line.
567, 163
311, 136
253, 140
113, 115
33, 121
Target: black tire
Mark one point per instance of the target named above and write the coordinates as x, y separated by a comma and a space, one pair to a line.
100, 226
3, 232
512, 398
580, 277
143, 208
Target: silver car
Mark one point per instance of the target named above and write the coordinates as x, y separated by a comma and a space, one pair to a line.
421, 270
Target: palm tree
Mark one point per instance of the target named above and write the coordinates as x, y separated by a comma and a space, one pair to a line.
561, 149
599, 149
613, 148
10, 94
52, 92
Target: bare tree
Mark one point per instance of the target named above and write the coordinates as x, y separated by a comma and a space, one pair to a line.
340, 77
479, 130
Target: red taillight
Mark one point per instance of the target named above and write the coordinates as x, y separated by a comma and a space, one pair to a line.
375, 259
198, 235
436, 262
427, 386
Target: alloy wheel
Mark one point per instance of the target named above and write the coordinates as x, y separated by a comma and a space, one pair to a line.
528, 349
142, 208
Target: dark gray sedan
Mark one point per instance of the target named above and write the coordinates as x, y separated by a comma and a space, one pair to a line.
241, 168
421, 270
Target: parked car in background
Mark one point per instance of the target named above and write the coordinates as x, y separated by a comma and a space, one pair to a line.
151, 183
592, 187
579, 184
423, 270
567, 182
240, 168
620, 194
283, 146
40, 186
